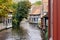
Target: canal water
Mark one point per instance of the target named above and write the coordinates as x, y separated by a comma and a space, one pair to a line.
25, 32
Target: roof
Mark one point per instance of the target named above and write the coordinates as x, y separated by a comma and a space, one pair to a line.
35, 10
45, 1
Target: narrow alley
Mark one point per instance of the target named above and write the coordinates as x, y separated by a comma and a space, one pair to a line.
25, 20
27, 32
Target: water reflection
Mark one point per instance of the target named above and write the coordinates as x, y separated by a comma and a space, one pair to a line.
25, 32
20, 33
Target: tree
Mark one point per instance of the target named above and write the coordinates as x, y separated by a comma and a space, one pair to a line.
22, 12
37, 3
5, 7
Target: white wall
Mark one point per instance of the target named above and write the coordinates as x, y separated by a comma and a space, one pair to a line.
34, 19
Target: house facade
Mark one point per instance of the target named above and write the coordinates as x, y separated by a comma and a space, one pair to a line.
34, 15
6, 22
44, 18
44, 14
34, 18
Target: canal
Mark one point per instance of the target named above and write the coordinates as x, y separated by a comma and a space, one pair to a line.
25, 32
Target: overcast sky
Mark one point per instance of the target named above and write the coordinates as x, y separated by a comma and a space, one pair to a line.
32, 1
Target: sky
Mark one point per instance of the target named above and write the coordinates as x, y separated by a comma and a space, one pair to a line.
32, 1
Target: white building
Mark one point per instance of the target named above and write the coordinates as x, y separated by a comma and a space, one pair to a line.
6, 22
34, 16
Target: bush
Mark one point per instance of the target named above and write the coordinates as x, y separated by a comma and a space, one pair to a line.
46, 35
